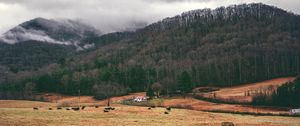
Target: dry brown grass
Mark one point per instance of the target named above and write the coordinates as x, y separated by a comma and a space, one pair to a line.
24, 104
133, 116
237, 93
84, 100
195, 104
58, 100
14, 112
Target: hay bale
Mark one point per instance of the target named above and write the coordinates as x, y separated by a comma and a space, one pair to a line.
227, 124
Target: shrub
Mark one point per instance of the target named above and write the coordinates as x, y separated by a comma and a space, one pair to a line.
102, 91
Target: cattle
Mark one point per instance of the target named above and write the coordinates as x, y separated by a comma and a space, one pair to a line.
149, 108
83, 107
106, 109
166, 112
168, 108
35, 108
76, 108
59, 108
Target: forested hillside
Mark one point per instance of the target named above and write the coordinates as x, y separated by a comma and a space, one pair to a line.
32, 55
39, 42
222, 47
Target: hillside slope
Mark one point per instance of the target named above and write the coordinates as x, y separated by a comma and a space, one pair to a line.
229, 45
226, 46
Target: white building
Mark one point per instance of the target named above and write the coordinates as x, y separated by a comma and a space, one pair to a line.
140, 99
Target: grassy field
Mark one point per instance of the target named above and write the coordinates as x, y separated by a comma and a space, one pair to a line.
237, 93
201, 105
24, 104
133, 116
57, 98
21, 113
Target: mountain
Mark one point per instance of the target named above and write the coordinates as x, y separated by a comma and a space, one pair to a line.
61, 31
222, 47
40, 42
225, 46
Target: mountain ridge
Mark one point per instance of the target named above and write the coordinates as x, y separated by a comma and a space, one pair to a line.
59, 31
255, 35
259, 10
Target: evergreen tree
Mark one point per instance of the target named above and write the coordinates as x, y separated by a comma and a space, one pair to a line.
150, 92
184, 82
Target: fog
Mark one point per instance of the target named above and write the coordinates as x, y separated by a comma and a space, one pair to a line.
114, 15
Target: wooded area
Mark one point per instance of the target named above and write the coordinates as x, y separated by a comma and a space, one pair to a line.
222, 47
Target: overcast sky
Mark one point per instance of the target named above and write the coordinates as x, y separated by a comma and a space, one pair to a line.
113, 15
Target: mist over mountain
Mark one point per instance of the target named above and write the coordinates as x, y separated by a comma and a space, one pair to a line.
60, 31
225, 46
39, 42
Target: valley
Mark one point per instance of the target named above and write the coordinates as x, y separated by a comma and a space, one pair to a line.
21, 112
237, 64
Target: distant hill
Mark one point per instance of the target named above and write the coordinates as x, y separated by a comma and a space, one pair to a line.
60, 31
39, 42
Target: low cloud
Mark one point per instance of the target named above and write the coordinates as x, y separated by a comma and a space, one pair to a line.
173, 1
113, 15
